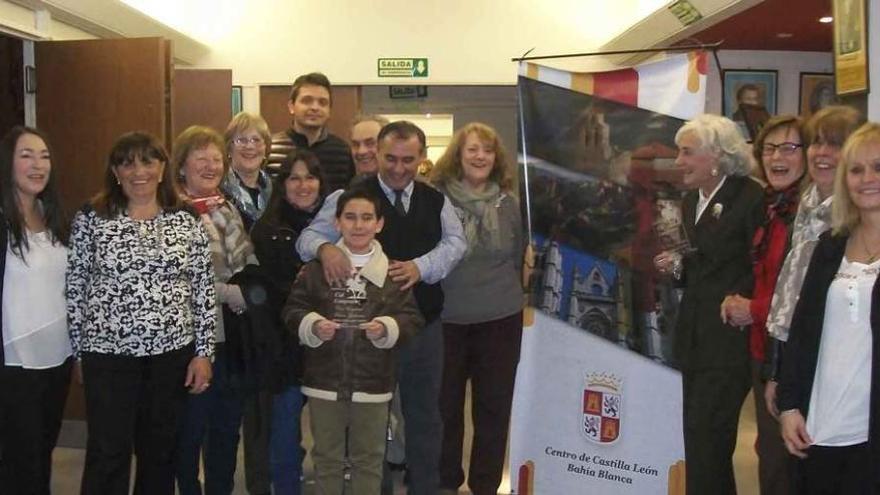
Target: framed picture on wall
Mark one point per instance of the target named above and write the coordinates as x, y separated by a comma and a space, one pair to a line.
816, 93
749, 98
236, 100
850, 46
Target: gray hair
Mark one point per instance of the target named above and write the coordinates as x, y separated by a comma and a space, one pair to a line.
721, 136
369, 117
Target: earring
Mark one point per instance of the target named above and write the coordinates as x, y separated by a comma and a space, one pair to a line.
714, 172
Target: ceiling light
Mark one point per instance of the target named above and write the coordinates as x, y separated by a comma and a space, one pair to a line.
784, 35
826, 20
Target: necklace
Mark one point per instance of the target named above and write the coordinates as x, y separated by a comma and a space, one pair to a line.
871, 256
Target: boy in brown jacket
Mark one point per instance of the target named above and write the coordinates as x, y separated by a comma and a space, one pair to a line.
350, 332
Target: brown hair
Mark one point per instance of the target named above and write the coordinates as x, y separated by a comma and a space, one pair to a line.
788, 122
310, 79
449, 168
194, 138
131, 146
833, 124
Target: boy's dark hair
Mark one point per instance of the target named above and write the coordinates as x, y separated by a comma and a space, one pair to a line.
310, 79
403, 130
358, 193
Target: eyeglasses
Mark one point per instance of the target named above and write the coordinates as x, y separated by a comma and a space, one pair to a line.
784, 148
244, 141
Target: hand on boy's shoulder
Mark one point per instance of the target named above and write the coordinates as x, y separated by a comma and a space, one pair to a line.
336, 265
374, 330
405, 273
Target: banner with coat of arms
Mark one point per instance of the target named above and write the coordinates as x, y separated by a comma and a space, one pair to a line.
597, 405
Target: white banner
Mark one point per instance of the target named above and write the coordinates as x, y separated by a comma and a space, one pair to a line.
591, 417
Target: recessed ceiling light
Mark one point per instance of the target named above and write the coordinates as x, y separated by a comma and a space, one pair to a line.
826, 20
784, 35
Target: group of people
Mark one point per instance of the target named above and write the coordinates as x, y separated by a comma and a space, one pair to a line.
212, 292
779, 295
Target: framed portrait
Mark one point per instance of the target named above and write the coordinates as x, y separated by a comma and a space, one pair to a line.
850, 46
816, 93
749, 98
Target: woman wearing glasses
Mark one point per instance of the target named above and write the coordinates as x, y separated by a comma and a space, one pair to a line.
779, 150
247, 184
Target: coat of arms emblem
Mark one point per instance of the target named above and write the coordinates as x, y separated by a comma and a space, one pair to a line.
602, 408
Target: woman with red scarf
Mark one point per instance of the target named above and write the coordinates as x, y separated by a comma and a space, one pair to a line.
780, 152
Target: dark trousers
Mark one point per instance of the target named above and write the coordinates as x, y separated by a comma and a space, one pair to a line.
210, 424
486, 353
419, 373
774, 461
256, 426
712, 402
31, 405
836, 471
132, 402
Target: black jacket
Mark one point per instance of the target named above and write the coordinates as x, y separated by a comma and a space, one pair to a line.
802, 350
720, 265
258, 349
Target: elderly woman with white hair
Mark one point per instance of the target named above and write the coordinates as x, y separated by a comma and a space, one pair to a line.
721, 212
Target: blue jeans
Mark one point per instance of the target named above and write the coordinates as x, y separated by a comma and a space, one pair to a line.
285, 457
211, 423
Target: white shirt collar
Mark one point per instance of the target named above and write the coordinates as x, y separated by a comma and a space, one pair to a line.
704, 201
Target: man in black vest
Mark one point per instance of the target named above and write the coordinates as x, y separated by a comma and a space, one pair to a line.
423, 238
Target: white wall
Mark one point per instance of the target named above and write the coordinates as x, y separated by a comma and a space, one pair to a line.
874, 62
789, 65
466, 41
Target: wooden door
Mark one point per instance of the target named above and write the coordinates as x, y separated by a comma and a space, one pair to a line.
88, 93
202, 97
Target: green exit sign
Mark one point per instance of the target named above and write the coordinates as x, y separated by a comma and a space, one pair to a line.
403, 67
685, 11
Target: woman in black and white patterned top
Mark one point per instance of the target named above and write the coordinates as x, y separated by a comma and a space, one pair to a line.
140, 290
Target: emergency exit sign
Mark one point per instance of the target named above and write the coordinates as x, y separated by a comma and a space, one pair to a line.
403, 67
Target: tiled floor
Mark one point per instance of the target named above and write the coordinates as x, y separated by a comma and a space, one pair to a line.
69, 462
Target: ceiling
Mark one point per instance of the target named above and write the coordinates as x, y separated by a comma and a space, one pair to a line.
758, 28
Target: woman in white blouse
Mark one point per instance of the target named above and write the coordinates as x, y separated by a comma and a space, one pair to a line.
35, 357
829, 391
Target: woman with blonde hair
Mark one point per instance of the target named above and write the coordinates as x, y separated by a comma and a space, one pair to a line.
482, 313
246, 182
835, 338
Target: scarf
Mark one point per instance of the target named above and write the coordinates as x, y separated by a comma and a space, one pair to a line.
478, 212
780, 206
231, 249
236, 190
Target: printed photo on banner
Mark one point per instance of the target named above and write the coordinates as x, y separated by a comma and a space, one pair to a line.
600, 173
749, 98
816, 93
